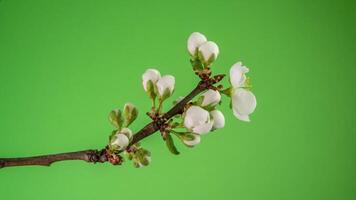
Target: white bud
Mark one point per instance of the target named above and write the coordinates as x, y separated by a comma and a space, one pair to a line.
237, 75
150, 75
243, 103
211, 98
165, 86
120, 140
209, 51
193, 142
218, 118
194, 41
197, 120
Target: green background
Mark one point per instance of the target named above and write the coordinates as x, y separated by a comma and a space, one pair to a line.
65, 64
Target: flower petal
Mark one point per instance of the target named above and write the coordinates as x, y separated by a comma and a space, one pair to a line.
194, 41
243, 103
195, 116
245, 118
203, 128
237, 75
218, 119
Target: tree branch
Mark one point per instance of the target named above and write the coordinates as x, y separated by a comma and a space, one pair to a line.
93, 156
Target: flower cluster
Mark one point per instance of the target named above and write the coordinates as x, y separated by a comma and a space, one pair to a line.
198, 116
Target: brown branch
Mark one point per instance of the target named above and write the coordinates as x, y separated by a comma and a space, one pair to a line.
93, 156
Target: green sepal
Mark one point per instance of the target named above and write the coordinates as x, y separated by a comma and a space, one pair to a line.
227, 91
170, 144
167, 93
196, 64
115, 117
151, 90
199, 101
187, 136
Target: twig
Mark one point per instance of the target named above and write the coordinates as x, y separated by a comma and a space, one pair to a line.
94, 156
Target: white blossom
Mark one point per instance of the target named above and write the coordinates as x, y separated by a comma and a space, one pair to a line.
243, 103
165, 86
193, 142
197, 120
211, 98
194, 41
218, 119
209, 50
237, 75
150, 75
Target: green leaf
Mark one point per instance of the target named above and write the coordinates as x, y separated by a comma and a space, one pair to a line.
170, 144
130, 114
115, 117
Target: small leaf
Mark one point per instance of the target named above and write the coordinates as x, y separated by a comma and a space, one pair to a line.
130, 113
170, 144
115, 118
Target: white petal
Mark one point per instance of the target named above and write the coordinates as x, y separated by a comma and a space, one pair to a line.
193, 142
194, 41
127, 132
218, 119
245, 118
237, 74
165, 82
209, 49
121, 140
150, 74
195, 116
203, 128
243, 103
211, 97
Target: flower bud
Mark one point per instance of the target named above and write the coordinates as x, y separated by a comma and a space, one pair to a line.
211, 98
192, 141
218, 119
119, 141
165, 86
149, 80
194, 41
209, 51
197, 120
243, 103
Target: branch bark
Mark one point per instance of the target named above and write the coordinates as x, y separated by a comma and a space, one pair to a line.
94, 156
